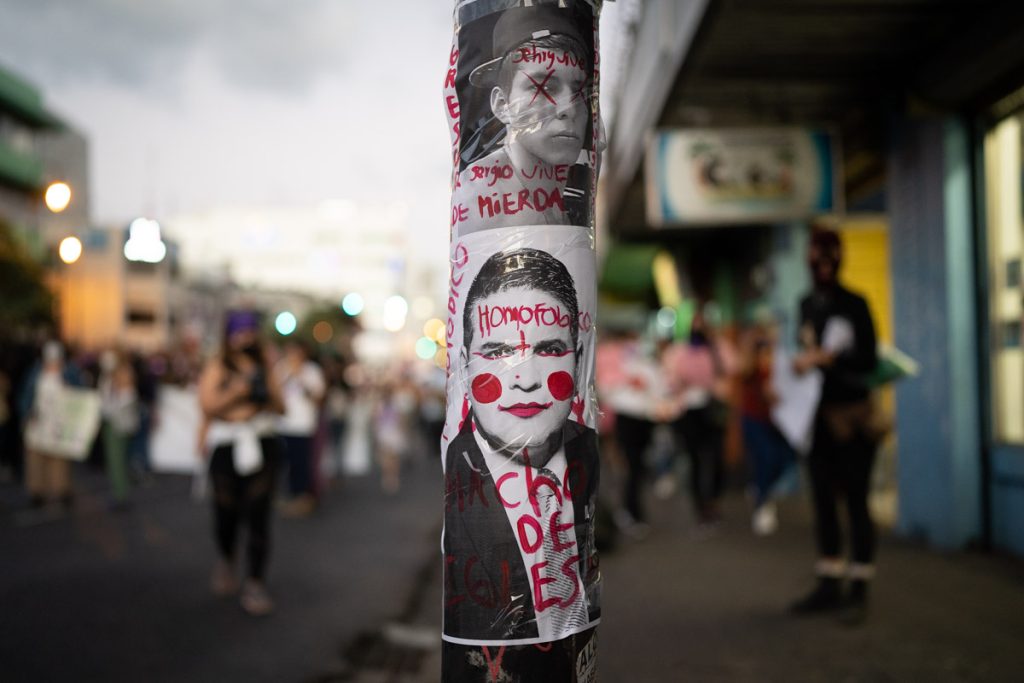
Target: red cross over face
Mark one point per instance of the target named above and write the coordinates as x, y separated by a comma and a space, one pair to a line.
521, 368
547, 109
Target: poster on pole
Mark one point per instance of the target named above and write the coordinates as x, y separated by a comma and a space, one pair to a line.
519, 446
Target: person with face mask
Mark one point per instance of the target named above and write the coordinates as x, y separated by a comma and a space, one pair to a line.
837, 337
238, 397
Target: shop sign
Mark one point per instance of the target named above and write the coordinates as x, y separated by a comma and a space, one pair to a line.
702, 176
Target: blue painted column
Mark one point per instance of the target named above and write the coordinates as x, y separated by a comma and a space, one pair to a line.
934, 281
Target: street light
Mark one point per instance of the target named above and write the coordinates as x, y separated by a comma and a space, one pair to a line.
58, 196
70, 249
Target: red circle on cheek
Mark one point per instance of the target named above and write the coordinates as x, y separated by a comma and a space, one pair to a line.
486, 388
560, 385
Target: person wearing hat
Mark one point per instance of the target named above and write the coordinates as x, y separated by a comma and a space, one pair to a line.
238, 396
539, 86
838, 339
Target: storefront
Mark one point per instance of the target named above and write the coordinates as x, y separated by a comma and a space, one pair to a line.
919, 97
1003, 289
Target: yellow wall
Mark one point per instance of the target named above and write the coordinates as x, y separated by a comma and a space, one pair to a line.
865, 269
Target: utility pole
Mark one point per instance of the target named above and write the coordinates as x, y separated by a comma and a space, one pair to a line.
522, 582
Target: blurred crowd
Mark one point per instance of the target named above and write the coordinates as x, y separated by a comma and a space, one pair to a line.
697, 408
278, 423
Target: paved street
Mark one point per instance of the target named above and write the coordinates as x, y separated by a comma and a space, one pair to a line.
101, 596
122, 597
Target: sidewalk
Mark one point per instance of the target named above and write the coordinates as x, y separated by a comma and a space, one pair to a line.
681, 609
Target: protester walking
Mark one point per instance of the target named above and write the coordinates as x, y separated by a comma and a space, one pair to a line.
768, 452
47, 474
303, 388
120, 410
699, 372
239, 397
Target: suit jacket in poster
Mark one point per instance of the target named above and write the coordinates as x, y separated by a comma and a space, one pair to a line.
487, 587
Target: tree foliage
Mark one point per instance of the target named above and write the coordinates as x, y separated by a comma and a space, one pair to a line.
25, 301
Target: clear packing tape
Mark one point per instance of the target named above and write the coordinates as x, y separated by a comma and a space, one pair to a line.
520, 444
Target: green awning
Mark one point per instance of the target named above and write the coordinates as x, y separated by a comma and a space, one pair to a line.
23, 102
627, 271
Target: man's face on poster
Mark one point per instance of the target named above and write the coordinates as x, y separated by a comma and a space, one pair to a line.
521, 375
545, 107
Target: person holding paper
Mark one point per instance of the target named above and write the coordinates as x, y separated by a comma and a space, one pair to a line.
838, 337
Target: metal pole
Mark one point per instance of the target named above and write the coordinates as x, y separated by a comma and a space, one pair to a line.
522, 582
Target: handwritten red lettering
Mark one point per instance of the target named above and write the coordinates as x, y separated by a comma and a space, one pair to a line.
459, 214
539, 315
535, 55
483, 592
524, 524
558, 173
511, 203
453, 597
497, 489
554, 528
569, 569
492, 173
540, 603
453, 106
533, 485
460, 259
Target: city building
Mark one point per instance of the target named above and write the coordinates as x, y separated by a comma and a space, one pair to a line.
921, 106
38, 148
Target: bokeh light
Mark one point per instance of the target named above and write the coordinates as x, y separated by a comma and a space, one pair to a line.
58, 196
70, 249
352, 304
432, 328
322, 332
425, 348
667, 317
285, 323
396, 308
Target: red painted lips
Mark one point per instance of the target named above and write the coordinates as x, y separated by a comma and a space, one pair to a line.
525, 409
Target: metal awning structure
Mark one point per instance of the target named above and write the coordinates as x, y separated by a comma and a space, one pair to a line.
847, 64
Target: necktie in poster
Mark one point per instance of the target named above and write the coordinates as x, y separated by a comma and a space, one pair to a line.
521, 574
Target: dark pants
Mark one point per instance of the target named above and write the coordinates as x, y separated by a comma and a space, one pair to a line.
841, 468
250, 498
770, 455
299, 451
704, 437
634, 435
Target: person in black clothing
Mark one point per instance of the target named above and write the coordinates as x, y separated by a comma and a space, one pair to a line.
838, 337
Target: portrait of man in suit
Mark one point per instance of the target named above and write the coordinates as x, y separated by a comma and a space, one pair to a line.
520, 475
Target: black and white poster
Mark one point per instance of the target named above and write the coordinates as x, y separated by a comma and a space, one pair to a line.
520, 445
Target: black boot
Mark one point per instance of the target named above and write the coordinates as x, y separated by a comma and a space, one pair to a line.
825, 597
854, 609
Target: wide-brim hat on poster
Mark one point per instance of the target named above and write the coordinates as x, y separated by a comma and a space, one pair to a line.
516, 26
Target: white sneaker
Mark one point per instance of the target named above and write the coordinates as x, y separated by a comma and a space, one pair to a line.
665, 486
255, 600
765, 521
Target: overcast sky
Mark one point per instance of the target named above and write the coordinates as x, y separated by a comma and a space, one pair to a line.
190, 105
